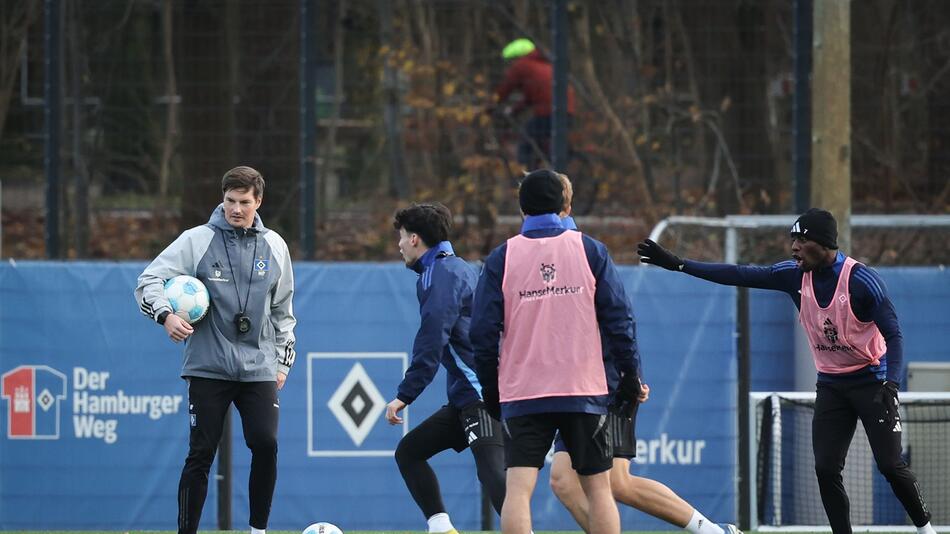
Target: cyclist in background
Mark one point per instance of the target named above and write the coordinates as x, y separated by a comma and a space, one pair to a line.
531, 74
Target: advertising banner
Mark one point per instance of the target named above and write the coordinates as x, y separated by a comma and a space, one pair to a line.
95, 414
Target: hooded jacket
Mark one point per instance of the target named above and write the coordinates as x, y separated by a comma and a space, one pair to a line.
245, 270
532, 76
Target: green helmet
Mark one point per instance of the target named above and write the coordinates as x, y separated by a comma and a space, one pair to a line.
517, 48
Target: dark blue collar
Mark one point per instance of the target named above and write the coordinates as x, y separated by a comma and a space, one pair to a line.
439, 251
541, 222
839, 262
837, 265
568, 223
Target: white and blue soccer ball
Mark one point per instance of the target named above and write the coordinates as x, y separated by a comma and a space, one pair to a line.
188, 298
322, 528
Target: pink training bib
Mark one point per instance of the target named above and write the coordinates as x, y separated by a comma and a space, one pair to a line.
551, 345
840, 343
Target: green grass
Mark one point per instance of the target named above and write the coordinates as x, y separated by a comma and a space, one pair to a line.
298, 532
246, 531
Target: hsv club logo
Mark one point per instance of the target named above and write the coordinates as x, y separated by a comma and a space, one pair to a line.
33, 394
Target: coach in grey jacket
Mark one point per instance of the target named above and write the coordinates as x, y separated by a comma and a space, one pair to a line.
242, 351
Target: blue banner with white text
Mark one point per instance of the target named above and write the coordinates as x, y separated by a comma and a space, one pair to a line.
95, 415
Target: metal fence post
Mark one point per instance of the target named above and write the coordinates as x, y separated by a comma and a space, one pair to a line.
52, 113
559, 91
308, 124
224, 474
801, 104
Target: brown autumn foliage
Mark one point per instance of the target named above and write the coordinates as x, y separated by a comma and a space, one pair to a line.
683, 108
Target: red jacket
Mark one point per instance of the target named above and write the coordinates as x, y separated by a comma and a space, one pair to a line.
532, 76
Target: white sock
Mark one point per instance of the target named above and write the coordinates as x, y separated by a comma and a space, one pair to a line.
440, 523
926, 529
698, 524
258, 530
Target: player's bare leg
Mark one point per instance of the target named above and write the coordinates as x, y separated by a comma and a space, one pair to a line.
516, 512
567, 487
602, 515
648, 496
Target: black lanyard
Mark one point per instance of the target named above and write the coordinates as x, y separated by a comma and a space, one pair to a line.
250, 278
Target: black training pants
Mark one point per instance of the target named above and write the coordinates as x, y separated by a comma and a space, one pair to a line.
451, 428
838, 407
208, 402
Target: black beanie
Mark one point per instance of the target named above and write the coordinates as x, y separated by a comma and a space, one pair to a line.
819, 226
541, 192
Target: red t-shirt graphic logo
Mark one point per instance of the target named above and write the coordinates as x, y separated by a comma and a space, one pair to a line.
33, 394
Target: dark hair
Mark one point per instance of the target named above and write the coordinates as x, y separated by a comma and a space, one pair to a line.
431, 221
243, 178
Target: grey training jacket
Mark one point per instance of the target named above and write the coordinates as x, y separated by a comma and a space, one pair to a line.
216, 350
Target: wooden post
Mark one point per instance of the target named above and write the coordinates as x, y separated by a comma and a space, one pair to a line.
831, 114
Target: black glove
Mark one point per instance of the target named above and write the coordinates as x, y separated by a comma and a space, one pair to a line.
492, 404
886, 396
627, 396
628, 391
650, 252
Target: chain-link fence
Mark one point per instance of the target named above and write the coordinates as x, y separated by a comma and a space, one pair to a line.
682, 106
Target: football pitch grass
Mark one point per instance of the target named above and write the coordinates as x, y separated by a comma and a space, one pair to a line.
298, 532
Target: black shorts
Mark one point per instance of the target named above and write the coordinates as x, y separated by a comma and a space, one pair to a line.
586, 436
623, 431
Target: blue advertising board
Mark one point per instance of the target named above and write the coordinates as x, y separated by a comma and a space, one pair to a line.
95, 424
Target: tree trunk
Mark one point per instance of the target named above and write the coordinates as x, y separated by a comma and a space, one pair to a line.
831, 87
171, 104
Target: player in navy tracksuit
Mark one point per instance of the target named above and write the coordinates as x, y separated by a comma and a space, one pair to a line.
852, 386
552, 293
641, 493
614, 318
444, 288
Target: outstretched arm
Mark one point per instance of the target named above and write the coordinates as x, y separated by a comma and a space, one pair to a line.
782, 276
